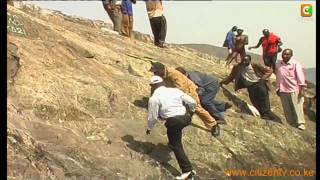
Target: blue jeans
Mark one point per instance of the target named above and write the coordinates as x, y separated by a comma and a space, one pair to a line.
215, 108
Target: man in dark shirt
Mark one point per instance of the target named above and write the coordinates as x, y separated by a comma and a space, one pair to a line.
229, 41
253, 77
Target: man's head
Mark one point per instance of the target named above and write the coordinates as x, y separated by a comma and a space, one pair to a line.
155, 82
246, 60
239, 31
286, 55
234, 28
183, 71
157, 69
265, 32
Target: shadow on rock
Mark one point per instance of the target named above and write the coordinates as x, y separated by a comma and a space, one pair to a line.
276, 118
143, 103
159, 152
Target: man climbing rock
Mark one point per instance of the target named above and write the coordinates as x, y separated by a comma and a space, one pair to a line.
208, 87
253, 77
176, 108
174, 78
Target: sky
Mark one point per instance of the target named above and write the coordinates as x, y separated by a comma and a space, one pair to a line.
207, 22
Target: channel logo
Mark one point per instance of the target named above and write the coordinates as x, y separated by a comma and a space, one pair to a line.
306, 10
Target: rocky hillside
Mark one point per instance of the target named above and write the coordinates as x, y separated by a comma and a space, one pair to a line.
77, 96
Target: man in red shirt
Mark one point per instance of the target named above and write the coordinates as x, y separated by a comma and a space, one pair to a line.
271, 46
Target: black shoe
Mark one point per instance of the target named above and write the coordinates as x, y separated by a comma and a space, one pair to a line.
267, 117
215, 131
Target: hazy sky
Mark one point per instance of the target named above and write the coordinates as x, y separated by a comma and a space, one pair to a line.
207, 22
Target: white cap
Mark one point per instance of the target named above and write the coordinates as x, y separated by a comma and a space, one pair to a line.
156, 80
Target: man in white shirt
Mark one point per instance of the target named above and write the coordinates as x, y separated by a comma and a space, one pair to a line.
176, 108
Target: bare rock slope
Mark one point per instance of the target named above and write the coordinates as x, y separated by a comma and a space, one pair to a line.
77, 96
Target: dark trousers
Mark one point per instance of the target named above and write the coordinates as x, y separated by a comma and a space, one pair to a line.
259, 96
174, 132
270, 60
159, 29
208, 102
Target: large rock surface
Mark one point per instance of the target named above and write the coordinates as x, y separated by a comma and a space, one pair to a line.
77, 109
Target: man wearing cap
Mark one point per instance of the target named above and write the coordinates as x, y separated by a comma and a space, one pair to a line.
271, 46
174, 78
176, 108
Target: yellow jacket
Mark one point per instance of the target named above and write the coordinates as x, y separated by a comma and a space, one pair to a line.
174, 78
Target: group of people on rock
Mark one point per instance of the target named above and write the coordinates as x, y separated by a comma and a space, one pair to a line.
176, 93
271, 45
121, 15
290, 77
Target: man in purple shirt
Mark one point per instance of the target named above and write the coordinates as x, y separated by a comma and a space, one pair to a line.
291, 85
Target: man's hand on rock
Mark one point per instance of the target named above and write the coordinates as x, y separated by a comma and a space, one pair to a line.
148, 131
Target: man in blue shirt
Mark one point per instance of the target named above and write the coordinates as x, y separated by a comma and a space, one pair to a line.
127, 17
230, 40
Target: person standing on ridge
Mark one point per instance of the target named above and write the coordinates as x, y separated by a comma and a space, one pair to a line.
270, 46
127, 17
113, 9
291, 87
158, 21
230, 40
240, 41
176, 108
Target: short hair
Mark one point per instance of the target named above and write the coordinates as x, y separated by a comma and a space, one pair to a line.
156, 66
239, 30
234, 28
265, 31
248, 56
